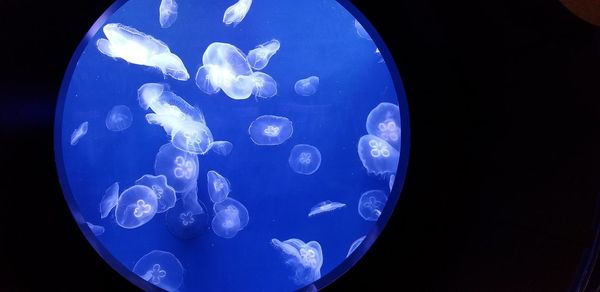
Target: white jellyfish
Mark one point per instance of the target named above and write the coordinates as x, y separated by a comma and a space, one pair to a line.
96, 229
307, 86
360, 30
355, 245
136, 206
325, 206
384, 122
305, 159
260, 56
392, 179
167, 13
79, 133
165, 194
179, 167
119, 118
377, 156
222, 148
371, 204
231, 216
218, 186
138, 48
305, 259
270, 130
161, 268
237, 12
264, 85
109, 200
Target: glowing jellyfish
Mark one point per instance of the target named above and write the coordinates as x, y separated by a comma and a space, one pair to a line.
378, 53
305, 159
264, 85
187, 223
109, 200
307, 86
230, 217
138, 48
79, 133
161, 268
392, 179
377, 156
371, 204
360, 30
355, 245
259, 57
237, 12
96, 229
222, 148
165, 194
384, 122
305, 259
231, 204
218, 186
270, 130
136, 206
325, 206
179, 167
119, 118
167, 13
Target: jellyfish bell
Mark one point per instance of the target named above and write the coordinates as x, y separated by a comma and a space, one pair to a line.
78, 133
226, 223
167, 13
97, 230
377, 155
165, 194
259, 57
233, 206
237, 12
305, 159
109, 200
186, 222
325, 206
179, 167
160, 268
136, 206
384, 122
119, 118
371, 204
355, 245
192, 137
222, 148
270, 130
307, 86
305, 259
218, 186
264, 85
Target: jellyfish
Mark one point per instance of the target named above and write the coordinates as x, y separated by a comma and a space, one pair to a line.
236, 13
165, 194
384, 122
264, 85
355, 245
305, 159
222, 148
259, 57
138, 48
392, 179
161, 268
96, 229
270, 130
185, 222
109, 200
307, 86
378, 53
136, 206
218, 186
119, 118
79, 133
179, 167
371, 204
231, 204
167, 13
325, 206
360, 30
305, 259
230, 217
377, 156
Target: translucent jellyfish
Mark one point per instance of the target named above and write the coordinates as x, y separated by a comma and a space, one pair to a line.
378, 53
165, 194
160, 268
96, 229
138, 48
377, 156
167, 13
326, 206
187, 223
109, 200
179, 167
222, 148
264, 85
259, 57
305, 259
360, 30
384, 122
119, 118
305, 159
136, 206
270, 130
392, 179
231, 204
307, 86
236, 13
218, 186
355, 245
190, 201
79, 133
230, 217
371, 204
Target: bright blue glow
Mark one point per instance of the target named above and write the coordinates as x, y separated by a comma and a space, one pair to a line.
305, 159
222, 148
168, 13
355, 245
179, 167
384, 122
325, 206
236, 13
136, 206
160, 268
307, 86
305, 259
79, 133
371, 204
377, 155
165, 194
109, 200
119, 118
218, 186
270, 130
260, 56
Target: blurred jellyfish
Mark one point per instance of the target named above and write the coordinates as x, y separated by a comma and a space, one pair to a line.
392, 179
119, 118
384, 122
230, 217
185, 222
167, 13
270, 130
378, 53
305, 159
325, 206
307, 86
79, 133
179, 167
161, 268
259, 57
360, 30
136, 206
222, 148
165, 194
218, 186
355, 245
138, 48
109, 200
236, 13
305, 259
264, 85
234, 205
371, 204
96, 229
377, 156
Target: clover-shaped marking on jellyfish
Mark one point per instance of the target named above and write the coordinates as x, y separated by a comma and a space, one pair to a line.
305, 159
378, 149
157, 274
142, 208
187, 218
305, 259
184, 168
231, 217
136, 206
179, 167
377, 155
160, 268
384, 122
270, 130
388, 130
371, 204
165, 194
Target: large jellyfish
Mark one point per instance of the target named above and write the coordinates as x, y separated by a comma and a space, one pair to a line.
377, 156
139, 48
136, 206
187, 223
270, 130
119, 118
360, 30
305, 259
222, 148
355, 245
96, 229
230, 217
167, 13
259, 57
236, 13
109, 200
179, 167
218, 186
307, 86
160, 268
325, 206
165, 194
384, 122
305, 159
79, 133
371, 204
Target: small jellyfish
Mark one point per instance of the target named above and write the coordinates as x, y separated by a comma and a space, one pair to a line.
270, 130
231, 204
307, 86
264, 85
167, 13
179, 167
371, 204
305, 259
230, 217
187, 223
378, 53
236, 13
355, 245
392, 179
222, 148
79, 133
218, 186
360, 30
136, 206
165, 194
96, 229
161, 268
325, 206
305, 159
259, 57
119, 118
384, 122
377, 156
109, 200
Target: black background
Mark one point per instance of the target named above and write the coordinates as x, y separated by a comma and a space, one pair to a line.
502, 185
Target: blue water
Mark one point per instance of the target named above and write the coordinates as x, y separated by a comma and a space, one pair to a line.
317, 37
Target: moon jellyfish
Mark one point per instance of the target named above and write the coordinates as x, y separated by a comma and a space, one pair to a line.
392, 179
138, 48
222, 148
165, 194
259, 57
377, 155
264, 85
96, 229
109, 200
187, 223
167, 13
307, 86
136, 206
326, 206
179, 167
371, 204
230, 217
236, 13
218, 186
79, 133
360, 30
270, 130
305, 259
384, 122
119, 118
231, 204
305, 159
161, 268
355, 245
